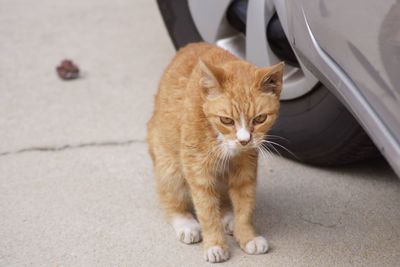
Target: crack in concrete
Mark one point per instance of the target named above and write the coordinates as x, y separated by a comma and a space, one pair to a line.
71, 146
322, 224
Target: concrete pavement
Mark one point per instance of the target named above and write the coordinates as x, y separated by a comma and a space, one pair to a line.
76, 184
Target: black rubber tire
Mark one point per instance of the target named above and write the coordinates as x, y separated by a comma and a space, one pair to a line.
317, 127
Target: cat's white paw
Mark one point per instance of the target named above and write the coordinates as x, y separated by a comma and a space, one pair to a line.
187, 229
257, 245
227, 222
216, 254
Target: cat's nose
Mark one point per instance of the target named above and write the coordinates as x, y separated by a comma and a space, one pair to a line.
243, 136
244, 142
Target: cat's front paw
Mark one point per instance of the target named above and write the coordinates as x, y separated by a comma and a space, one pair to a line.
216, 254
187, 230
257, 245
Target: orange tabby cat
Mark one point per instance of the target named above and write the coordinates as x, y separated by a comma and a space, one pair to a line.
212, 112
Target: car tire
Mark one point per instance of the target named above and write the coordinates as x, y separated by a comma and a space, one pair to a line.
315, 128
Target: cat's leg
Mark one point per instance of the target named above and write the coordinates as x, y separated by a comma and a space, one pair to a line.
207, 205
227, 217
228, 222
175, 199
242, 190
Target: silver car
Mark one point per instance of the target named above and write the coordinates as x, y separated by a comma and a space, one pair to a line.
342, 80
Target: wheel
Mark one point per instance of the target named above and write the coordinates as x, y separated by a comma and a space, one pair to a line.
313, 126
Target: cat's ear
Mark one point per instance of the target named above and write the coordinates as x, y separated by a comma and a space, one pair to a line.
271, 79
211, 78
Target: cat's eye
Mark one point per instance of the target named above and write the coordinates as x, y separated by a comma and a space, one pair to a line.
226, 120
260, 119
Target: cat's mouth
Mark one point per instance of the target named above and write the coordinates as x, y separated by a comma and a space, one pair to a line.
235, 147
232, 147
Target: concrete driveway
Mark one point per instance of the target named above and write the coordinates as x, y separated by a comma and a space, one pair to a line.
76, 184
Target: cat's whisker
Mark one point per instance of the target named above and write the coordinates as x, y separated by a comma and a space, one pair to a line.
267, 151
275, 136
228, 159
223, 157
286, 149
266, 143
261, 152
217, 160
214, 156
225, 161
264, 153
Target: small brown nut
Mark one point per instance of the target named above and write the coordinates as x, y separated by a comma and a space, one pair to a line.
67, 70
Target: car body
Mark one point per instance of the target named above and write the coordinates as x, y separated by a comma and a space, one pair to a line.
354, 49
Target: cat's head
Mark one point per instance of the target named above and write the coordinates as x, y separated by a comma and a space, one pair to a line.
241, 102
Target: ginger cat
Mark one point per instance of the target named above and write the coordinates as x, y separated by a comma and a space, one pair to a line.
212, 113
